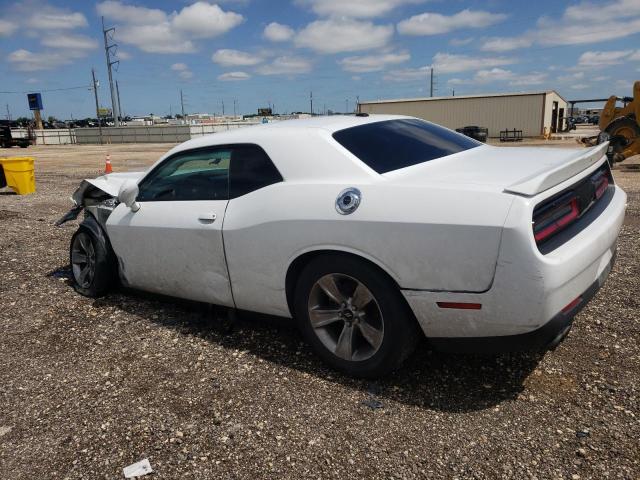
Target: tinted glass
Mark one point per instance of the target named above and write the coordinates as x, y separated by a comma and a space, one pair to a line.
251, 169
194, 175
394, 144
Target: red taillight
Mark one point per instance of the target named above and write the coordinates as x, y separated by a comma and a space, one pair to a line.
556, 219
601, 186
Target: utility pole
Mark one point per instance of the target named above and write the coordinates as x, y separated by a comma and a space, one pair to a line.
234, 108
110, 63
95, 94
346, 106
357, 103
8, 113
223, 108
182, 105
453, 92
432, 81
120, 114
311, 102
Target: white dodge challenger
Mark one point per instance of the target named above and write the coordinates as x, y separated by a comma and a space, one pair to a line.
366, 230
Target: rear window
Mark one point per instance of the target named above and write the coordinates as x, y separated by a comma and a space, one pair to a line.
393, 144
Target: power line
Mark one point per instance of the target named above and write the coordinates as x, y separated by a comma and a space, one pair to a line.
52, 89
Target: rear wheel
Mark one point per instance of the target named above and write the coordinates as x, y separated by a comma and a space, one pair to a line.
353, 316
92, 264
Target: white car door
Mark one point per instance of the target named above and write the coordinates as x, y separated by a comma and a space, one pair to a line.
173, 244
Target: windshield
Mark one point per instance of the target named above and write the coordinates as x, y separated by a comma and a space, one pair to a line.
393, 144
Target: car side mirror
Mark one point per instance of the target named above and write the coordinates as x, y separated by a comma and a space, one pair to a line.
128, 193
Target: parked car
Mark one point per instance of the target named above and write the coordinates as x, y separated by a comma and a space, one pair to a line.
366, 229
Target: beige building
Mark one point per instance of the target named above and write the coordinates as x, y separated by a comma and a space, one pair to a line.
529, 112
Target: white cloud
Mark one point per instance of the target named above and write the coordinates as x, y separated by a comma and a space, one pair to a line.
183, 70
551, 32
373, 63
160, 38
27, 61
534, 78
459, 42
436, 23
7, 28
51, 18
505, 44
276, 32
354, 8
493, 75
597, 12
579, 86
497, 75
583, 23
447, 63
178, 67
131, 14
203, 20
572, 77
407, 74
286, 65
32, 80
450, 63
235, 58
153, 30
124, 55
69, 41
234, 76
343, 35
635, 57
603, 59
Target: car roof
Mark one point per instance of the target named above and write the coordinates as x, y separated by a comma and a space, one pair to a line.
329, 123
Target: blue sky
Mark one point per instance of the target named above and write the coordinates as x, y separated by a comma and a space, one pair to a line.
259, 52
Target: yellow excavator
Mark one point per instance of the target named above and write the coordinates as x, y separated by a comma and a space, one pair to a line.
620, 126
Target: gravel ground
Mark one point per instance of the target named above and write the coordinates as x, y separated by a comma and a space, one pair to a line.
88, 387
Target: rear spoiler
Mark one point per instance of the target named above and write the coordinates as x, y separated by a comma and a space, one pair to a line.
546, 179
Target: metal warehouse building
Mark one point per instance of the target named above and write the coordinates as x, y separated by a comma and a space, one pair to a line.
529, 112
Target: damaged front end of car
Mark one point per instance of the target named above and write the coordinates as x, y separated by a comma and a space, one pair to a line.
98, 196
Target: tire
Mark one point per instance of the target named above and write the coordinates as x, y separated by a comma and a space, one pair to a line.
390, 328
623, 131
100, 273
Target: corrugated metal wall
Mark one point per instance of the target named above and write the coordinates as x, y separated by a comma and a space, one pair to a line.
522, 112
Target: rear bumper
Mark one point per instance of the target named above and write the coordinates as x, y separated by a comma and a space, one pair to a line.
546, 337
522, 309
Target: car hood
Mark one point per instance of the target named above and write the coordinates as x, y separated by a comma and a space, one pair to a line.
520, 170
109, 184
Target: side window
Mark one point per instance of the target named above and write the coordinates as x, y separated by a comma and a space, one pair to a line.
251, 169
201, 174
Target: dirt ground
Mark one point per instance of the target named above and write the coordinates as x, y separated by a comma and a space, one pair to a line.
88, 387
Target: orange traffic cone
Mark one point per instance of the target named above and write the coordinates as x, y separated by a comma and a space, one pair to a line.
107, 165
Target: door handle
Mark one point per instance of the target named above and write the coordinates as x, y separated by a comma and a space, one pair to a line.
207, 217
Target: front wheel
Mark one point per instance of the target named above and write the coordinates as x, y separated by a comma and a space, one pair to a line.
92, 264
353, 316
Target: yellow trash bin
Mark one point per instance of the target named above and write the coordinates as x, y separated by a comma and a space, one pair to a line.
18, 173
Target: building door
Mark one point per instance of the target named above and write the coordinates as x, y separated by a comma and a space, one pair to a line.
554, 117
561, 126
